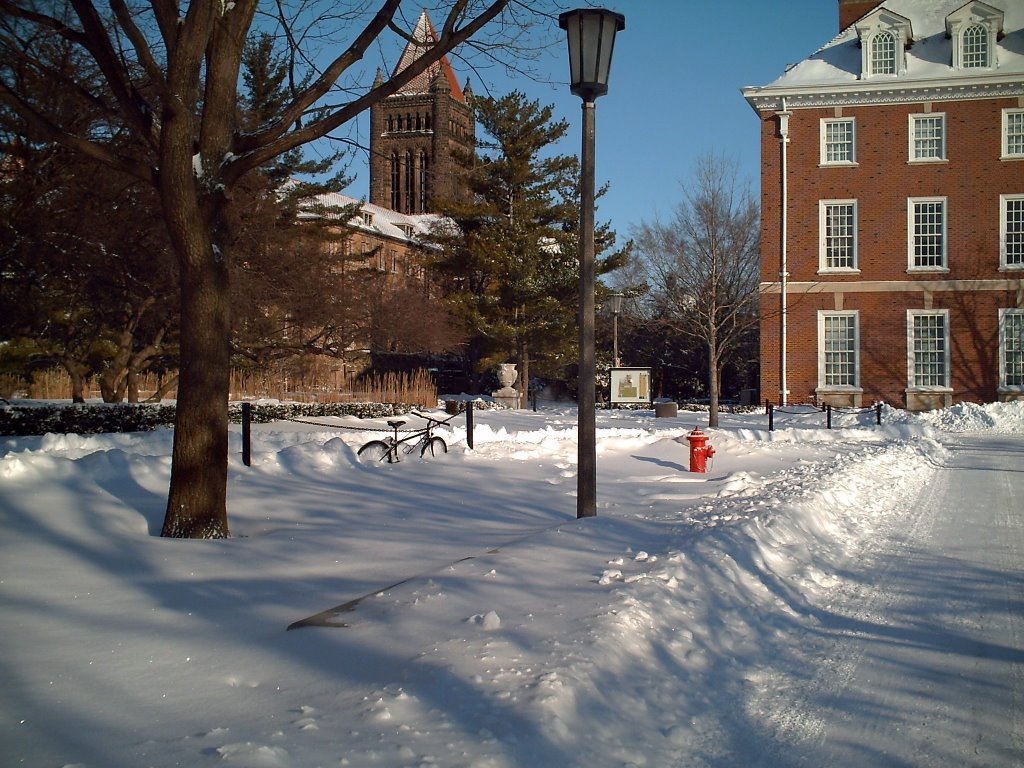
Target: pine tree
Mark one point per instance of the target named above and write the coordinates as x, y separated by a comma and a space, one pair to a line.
510, 249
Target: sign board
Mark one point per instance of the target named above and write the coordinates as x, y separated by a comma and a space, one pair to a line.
631, 385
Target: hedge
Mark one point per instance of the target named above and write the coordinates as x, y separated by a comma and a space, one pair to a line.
94, 418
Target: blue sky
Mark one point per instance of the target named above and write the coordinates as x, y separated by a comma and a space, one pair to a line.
674, 94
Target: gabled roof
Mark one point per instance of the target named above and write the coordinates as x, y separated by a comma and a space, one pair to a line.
832, 73
423, 37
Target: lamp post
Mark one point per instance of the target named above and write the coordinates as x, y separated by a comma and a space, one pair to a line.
591, 33
616, 308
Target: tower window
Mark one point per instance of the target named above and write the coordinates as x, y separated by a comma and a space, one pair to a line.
396, 182
423, 179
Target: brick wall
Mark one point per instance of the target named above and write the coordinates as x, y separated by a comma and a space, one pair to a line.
972, 180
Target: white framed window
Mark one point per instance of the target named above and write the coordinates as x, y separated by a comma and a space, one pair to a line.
927, 137
884, 37
883, 54
838, 349
1013, 133
928, 349
837, 240
838, 141
974, 47
1011, 231
926, 226
1011, 349
974, 28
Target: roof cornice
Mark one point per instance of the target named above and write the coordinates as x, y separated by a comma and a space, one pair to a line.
770, 99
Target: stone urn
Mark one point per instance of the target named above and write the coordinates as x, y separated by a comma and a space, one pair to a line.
507, 396
507, 375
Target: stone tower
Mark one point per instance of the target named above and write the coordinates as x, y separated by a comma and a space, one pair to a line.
413, 133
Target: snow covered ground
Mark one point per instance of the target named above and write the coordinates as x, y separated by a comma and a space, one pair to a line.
679, 627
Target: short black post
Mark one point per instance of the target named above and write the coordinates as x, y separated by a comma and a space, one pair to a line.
828, 417
771, 415
247, 434
533, 397
469, 424
878, 413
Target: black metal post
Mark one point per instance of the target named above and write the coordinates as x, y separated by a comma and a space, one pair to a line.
586, 478
247, 434
828, 417
878, 414
469, 424
771, 415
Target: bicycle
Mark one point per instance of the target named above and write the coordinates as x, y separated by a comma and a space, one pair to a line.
390, 449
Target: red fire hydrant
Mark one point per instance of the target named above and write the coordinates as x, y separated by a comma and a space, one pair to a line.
700, 451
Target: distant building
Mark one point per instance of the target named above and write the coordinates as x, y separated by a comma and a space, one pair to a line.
414, 132
892, 188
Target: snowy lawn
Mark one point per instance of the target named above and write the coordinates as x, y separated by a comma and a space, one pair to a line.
516, 635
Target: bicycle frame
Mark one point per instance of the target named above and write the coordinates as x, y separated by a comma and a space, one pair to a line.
422, 439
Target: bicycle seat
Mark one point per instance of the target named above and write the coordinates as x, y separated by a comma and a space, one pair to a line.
395, 424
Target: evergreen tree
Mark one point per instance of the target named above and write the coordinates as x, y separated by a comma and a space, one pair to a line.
510, 249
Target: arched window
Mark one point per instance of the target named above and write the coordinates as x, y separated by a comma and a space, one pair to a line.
410, 180
408, 121
390, 123
423, 182
428, 123
883, 54
975, 47
396, 182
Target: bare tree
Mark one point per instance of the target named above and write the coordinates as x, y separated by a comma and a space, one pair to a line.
703, 265
167, 73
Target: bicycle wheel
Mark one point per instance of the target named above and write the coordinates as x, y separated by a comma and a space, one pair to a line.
374, 452
435, 446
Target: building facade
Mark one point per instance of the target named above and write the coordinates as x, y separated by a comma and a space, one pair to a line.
414, 132
892, 189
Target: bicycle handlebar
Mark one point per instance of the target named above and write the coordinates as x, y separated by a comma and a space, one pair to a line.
431, 418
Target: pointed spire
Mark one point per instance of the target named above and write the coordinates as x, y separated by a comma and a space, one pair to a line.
423, 36
379, 79
467, 90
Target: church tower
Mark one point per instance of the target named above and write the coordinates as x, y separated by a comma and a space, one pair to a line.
413, 133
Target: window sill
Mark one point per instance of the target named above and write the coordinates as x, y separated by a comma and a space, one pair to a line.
928, 161
839, 271
1011, 267
927, 270
1011, 158
839, 164
930, 390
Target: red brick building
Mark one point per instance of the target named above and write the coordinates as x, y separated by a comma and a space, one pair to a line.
892, 188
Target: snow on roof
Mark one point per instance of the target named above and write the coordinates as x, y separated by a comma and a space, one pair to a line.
378, 220
929, 58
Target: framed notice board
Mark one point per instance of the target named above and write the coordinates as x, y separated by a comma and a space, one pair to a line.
631, 385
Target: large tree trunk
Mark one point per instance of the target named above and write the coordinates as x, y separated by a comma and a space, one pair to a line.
197, 501
524, 376
196, 504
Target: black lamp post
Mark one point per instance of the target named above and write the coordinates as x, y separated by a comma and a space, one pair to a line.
616, 308
591, 33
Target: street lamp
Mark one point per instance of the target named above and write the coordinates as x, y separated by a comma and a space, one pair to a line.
616, 308
591, 33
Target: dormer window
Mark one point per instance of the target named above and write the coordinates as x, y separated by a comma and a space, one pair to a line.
367, 218
974, 29
883, 54
974, 47
884, 37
